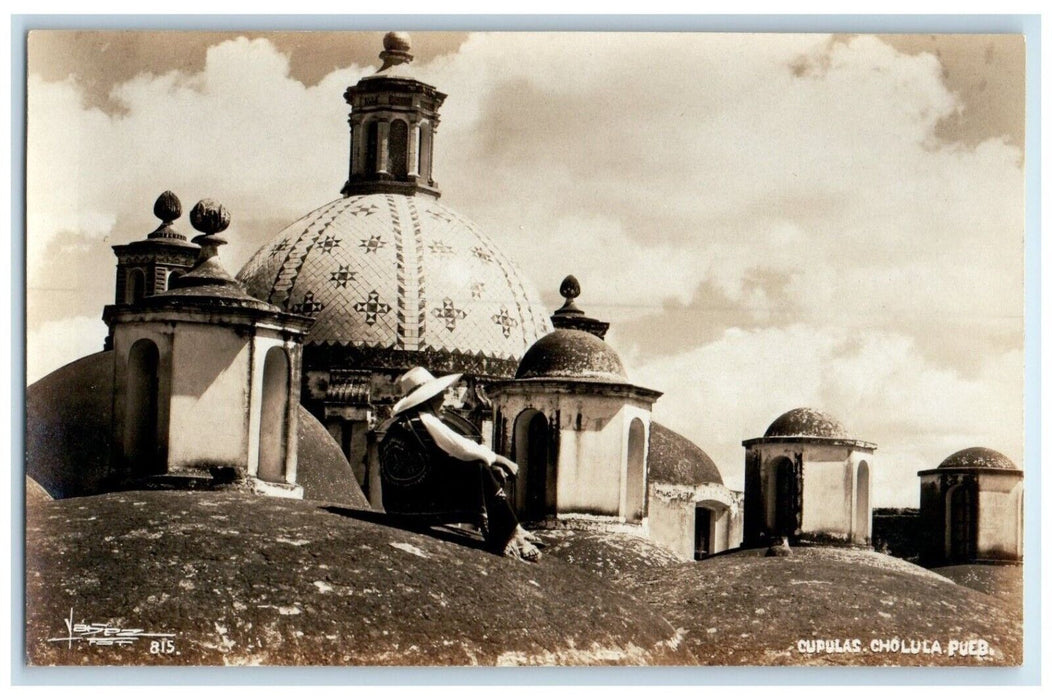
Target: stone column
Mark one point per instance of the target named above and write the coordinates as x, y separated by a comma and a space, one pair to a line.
413, 148
383, 131
356, 149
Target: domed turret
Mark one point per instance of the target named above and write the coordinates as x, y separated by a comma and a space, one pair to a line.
807, 451
971, 509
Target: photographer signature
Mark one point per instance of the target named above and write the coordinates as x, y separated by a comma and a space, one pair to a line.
106, 635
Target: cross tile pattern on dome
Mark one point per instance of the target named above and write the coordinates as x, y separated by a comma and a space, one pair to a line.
398, 272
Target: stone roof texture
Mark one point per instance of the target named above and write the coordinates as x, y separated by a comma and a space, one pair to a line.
806, 422
572, 354
673, 459
978, 458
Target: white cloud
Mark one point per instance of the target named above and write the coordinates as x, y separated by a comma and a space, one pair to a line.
877, 384
56, 343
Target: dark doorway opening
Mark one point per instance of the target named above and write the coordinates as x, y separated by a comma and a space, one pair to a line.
785, 499
537, 468
963, 530
702, 530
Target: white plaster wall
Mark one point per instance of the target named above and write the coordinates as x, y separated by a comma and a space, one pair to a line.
593, 460
671, 521
672, 510
828, 497
998, 516
590, 468
210, 397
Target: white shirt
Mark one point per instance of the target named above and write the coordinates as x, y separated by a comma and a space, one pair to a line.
455, 444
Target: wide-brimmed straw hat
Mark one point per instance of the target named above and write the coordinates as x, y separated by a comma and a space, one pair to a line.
418, 385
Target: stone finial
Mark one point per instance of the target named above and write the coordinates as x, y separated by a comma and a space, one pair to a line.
570, 316
570, 289
210, 218
167, 208
397, 47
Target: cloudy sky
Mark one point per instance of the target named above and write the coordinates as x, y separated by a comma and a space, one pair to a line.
770, 221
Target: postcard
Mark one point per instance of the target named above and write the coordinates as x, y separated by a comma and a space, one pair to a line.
379, 348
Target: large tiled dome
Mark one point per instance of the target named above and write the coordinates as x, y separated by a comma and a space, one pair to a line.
398, 272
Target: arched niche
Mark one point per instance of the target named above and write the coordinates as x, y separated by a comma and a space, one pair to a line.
635, 473
273, 424
398, 149
142, 400
535, 488
862, 509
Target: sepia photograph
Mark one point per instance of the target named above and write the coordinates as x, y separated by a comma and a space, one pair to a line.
524, 348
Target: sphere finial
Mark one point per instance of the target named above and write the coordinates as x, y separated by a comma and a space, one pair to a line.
209, 217
167, 208
397, 41
397, 48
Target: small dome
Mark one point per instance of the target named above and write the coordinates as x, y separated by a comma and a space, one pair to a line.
572, 354
673, 459
978, 458
806, 422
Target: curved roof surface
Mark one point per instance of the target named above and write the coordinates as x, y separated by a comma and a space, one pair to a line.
673, 459
978, 458
806, 422
572, 354
398, 272
68, 427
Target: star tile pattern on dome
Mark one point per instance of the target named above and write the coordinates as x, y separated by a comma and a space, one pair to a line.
399, 272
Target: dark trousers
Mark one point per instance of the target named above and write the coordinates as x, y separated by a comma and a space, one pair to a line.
500, 516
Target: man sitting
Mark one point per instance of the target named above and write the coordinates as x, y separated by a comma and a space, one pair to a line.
427, 469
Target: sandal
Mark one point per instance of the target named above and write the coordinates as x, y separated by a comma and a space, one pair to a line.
529, 536
519, 548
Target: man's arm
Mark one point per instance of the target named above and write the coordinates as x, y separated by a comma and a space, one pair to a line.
456, 445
